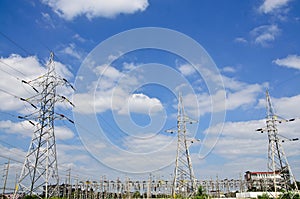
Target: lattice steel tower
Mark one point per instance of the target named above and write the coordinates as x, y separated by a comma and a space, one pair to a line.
184, 182
39, 173
283, 177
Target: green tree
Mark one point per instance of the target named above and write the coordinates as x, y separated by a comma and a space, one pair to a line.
137, 194
201, 193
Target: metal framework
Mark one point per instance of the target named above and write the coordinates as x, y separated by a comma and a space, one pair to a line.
39, 175
184, 182
277, 160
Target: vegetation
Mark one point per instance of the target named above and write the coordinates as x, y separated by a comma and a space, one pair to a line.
201, 193
31, 197
289, 195
136, 194
263, 196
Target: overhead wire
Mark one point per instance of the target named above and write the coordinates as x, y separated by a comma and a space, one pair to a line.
15, 43
13, 68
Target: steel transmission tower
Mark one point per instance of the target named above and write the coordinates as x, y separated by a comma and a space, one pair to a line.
39, 173
184, 182
283, 177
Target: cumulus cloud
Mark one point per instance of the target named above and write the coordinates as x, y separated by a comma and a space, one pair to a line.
285, 106
108, 71
291, 61
229, 69
112, 92
48, 20
91, 9
71, 50
270, 6
23, 128
237, 94
26, 129
141, 103
240, 141
79, 38
265, 35
186, 69
63, 133
14, 69
240, 40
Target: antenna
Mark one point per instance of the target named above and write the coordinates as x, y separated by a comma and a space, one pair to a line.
277, 160
39, 175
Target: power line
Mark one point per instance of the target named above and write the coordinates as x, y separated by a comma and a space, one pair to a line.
12, 69
15, 43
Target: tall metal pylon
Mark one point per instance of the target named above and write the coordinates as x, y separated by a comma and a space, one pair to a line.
184, 182
283, 177
39, 173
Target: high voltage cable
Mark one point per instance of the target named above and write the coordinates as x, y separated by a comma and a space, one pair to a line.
13, 68
14, 42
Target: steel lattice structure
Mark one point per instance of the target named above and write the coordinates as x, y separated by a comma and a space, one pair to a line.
277, 160
184, 182
39, 173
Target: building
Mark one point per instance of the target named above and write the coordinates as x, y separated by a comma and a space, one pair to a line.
262, 180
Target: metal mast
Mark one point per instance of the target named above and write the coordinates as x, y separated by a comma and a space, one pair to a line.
184, 182
283, 177
39, 173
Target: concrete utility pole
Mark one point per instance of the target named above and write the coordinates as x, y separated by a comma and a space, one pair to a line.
40, 173
277, 160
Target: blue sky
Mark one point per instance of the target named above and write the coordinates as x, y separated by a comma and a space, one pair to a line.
254, 45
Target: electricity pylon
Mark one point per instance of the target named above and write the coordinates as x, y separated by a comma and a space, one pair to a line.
277, 160
184, 182
39, 173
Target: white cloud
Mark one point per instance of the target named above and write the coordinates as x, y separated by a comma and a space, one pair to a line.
23, 128
141, 103
241, 146
113, 92
285, 106
264, 35
151, 144
270, 6
108, 71
26, 129
143, 155
63, 133
91, 9
245, 96
129, 66
229, 69
291, 61
187, 69
236, 94
14, 69
13, 153
79, 38
240, 40
47, 18
71, 50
